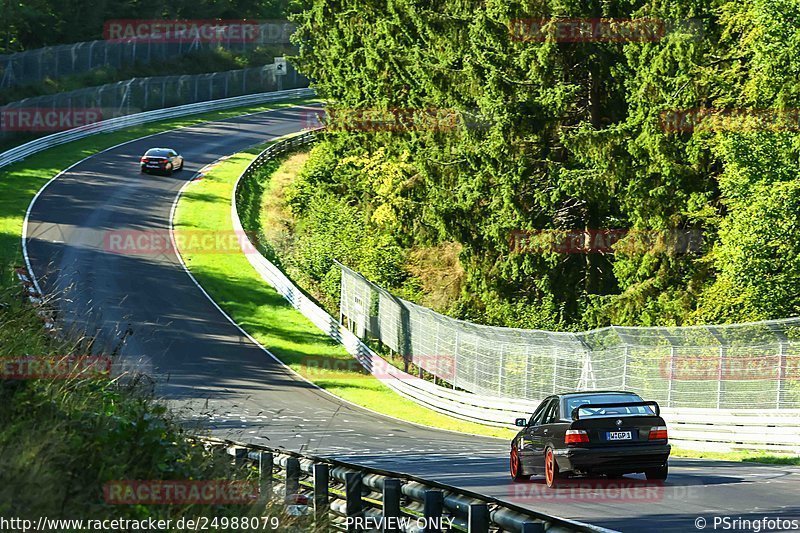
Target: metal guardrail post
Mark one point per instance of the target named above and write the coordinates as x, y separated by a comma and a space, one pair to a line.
239, 454
292, 477
354, 504
433, 510
478, 518
482, 513
532, 527
321, 497
391, 501
266, 463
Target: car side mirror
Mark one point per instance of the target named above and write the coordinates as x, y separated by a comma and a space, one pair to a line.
521, 422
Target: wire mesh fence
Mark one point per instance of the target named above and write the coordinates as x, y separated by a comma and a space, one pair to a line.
737, 366
64, 110
53, 62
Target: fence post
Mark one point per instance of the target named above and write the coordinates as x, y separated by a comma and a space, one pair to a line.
781, 374
671, 375
455, 360
526, 372
720, 375
625, 367
321, 497
292, 477
353, 505
265, 468
391, 501
239, 454
434, 507
500, 370
478, 518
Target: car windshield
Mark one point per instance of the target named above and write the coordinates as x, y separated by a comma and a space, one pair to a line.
157, 152
587, 412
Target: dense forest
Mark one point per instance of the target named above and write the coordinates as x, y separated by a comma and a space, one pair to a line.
682, 121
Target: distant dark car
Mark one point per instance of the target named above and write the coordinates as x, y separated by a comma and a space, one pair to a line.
591, 434
162, 160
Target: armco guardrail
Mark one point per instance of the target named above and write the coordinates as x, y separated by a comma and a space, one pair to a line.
698, 428
334, 494
21, 152
127, 97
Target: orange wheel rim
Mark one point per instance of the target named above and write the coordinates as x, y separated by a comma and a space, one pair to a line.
548, 467
513, 462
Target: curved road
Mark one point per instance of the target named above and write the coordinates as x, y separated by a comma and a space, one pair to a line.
218, 378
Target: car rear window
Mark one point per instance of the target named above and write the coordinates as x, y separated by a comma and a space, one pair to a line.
576, 401
157, 152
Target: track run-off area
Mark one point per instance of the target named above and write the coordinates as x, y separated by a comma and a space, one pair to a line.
216, 377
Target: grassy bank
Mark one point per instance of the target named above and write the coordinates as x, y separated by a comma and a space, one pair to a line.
239, 290
62, 439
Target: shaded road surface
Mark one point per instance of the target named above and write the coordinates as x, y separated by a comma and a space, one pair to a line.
219, 378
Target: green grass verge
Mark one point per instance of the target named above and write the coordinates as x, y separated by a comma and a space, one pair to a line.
745, 456
262, 312
20, 181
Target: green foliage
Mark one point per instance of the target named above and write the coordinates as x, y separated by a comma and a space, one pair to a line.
63, 439
574, 138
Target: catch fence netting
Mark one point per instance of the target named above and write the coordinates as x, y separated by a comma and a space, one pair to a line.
61, 111
31, 66
737, 366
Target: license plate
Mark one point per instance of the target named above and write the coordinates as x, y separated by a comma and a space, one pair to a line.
618, 435
153, 165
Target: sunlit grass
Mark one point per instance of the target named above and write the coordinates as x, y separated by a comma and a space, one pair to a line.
747, 456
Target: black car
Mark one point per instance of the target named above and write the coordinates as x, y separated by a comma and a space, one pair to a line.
163, 160
591, 433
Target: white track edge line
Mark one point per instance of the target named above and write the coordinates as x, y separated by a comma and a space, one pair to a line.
28, 211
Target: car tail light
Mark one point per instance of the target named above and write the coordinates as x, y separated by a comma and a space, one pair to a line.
144, 160
576, 436
658, 433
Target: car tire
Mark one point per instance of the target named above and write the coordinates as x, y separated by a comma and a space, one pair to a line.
657, 474
181, 167
551, 473
515, 466
168, 171
614, 476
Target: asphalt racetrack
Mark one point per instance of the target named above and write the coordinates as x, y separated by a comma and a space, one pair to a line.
217, 377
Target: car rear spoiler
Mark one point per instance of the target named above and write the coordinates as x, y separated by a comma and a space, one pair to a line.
655, 406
